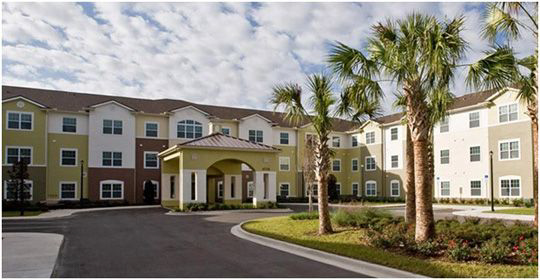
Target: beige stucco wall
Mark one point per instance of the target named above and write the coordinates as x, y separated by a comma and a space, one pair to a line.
163, 125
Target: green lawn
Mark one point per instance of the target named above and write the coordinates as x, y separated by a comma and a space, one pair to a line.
349, 242
515, 211
18, 213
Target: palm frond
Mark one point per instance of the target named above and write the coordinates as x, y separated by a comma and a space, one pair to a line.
321, 101
495, 70
346, 62
500, 22
289, 96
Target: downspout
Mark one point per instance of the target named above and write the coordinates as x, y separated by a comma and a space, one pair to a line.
383, 168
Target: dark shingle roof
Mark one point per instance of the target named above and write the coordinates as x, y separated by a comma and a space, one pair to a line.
218, 140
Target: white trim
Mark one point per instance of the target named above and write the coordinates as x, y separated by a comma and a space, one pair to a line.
358, 193
112, 127
156, 196
218, 184
399, 188
189, 107
374, 138
501, 92
25, 99
288, 188
255, 115
508, 113
336, 159
68, 132
76, 157
19, 156
440, 156
510, 177
357, 142
247, 189
60, 190
508, 141
397, 133
479, 146
338, 188
366, 187
339, 142
26, 181
479, 119
101, 183
357, 165
288, 138
481, 188
366, 165
226, 127
398, 165
113, 102
112, 160
440, 188
185, 124
151, 137
144, 159
19, 112
288, 159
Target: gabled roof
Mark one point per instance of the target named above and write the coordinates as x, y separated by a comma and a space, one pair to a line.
220, 141
112, 102
256, 115
25, 99
190, 107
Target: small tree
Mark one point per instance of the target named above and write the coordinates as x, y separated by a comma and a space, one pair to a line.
308, 170
149, 192
17, 188
332, 187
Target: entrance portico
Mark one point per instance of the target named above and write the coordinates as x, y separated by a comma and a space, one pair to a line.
209, 170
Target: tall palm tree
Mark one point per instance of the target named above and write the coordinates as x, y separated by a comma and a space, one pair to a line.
419, 55
500, 67
321, 100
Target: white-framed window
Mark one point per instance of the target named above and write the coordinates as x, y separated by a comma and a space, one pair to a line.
112, 127
371, 165
14, 154
394, 161
69, 124
338, 188
188, 129
284, 138
508, 113
250, 189
256, 135
354, 141
445, 188
354, 164
111, 189
10, 190
355, 190
111, 159
370, 137
510, 186
151, 129
394, 188
509, 149
314, 189
20, 120
68, 190
444, 126
371, 188
226, 131
445, 156
394, 133
336, 165
151, 160
476, 188
284, 163
68, 157
172, 187
474, 119
474, 153
155, 185
220, 189
284, 189
336, 141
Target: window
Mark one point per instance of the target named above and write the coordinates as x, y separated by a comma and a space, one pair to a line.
69, 124
172, 189
509, 149
15, 154
355, 189
188, 129
112, 190
354, 165
370, 137
151, 129
19, 120
256, 136
394, 161
336, 165
112, 159
394, 133
394, 188
10, 190
354, 141
250, 189
193, 186
233, 187
475, 153
508, 113
68, 157
220, 189
370, 164
284, 163
314, 190
155, 186
68, 190
445, 156
151, 160
284, 189
226, 131
338, 188
284, 138
112, 127
444, 126
476, 188
510, 186
371, 188
474, 119
336, 141
445, 188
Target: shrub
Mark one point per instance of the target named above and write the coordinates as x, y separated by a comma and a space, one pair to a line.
428, 248
362, 218
529, 203
314, 215
517, 202
459, 251
526, 250
394, 236
493, 251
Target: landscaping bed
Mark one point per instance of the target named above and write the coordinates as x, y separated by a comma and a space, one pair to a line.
18, 213
515, 211
193, 207
468, 249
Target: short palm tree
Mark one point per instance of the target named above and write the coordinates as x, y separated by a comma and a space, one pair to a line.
321, 101
500, 67
419, 55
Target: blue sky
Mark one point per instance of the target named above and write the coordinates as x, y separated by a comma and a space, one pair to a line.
215, 53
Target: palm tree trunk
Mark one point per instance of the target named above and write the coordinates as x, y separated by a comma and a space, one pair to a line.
410, 207
323, 161
532, 108
425, 222
310, 198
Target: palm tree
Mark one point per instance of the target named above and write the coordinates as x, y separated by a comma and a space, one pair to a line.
321, 100
500, 67
419, 55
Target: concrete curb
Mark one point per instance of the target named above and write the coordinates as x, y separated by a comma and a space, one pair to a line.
349, 206
478, 213
220, 212
60, 213
350, 264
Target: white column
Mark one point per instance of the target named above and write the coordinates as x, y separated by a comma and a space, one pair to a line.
258, 179
227, 184
272, 186
200, 186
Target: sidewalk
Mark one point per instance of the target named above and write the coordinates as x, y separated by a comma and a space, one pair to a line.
220, 212
389, 205
478, 212
60, 213
29, 255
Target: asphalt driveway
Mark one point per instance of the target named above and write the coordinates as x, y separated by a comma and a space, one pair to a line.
147, 243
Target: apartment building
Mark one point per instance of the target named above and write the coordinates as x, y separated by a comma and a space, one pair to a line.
203, 153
